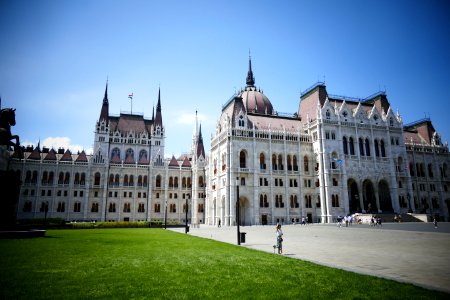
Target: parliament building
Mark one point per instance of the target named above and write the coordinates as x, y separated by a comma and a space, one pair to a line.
335, 156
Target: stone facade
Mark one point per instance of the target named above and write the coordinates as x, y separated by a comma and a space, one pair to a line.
335, 156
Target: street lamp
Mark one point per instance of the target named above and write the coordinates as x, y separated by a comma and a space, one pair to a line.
237, 211
45, 213
165, 216
186, 230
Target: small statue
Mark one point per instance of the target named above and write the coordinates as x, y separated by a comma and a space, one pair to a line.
8, 119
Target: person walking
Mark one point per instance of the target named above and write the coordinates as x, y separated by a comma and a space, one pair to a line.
435, 222
279, 234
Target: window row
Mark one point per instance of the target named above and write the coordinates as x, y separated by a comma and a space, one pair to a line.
129, 155
364, 146
128, 180
277, 162
419, 170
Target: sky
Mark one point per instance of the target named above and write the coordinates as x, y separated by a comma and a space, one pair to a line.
56, 56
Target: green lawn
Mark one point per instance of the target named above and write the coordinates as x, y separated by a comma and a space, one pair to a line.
155, 263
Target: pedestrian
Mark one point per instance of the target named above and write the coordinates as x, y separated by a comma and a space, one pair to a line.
379, 221
279, 234
219, 223
435, 222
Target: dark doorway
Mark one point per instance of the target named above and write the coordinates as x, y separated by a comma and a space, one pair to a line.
370, 205
264, 219
309, 218
384, 197
353, 196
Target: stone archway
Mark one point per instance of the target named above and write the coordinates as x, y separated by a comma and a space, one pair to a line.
353, 196
369, 202
384, 197
245, 212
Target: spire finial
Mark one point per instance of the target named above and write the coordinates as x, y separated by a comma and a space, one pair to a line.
105, 98
250, 79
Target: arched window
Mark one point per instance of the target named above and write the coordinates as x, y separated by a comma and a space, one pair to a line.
200, 181
242, 162
76, 180
262, 161
183, 182
139, 183
112, 207
261, 200
125, 180
97, 178
171, 182
129, 154
430, 171
35, 176
411, 169
83, 179
143, 155
305, 164
44, 178
274, 162
344, 144
175, 182
289, 164
158, 181
351, 146
383, 150
115, 152
111, 179
116, 180
28, 177
67, 178
50, 177
391, 121
145, 180
377, 151
361, 147
367, 147
131, 182
280, 162
294, 162
327, 114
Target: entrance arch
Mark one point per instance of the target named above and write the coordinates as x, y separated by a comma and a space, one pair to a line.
245, 212
369, 202
353, 196
384, 197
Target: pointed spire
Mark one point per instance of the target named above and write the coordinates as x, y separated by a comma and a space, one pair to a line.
250, 78
153, 113
158, 117
105, 98
105, 106
200, 147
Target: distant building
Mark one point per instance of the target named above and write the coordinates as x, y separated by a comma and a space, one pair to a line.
335, 156
126, 178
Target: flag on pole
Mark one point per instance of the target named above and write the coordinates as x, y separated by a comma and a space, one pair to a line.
130, 96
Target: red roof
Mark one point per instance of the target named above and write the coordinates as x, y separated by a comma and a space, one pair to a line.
67, 156
186, 162
51, 155
173, 162
81, 157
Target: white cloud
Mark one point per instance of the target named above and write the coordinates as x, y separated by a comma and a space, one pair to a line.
189, 118
59, 142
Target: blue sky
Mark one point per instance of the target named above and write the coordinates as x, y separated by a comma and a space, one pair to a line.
55, 57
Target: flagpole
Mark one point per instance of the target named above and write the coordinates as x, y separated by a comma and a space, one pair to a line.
130, 96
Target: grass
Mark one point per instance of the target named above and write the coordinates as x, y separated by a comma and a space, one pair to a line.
155, 263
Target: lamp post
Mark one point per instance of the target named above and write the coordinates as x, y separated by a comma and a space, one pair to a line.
45, 213
238, 212
186, 230
165, 216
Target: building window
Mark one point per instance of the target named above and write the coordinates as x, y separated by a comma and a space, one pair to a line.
61, 206
173, 208
27, 206
77, 207
126, 207
157, 207
334, 201
308, 203
141, 207
112, 207
242, 159
200, 208
94, 207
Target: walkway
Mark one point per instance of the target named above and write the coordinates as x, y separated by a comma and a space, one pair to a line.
409, 252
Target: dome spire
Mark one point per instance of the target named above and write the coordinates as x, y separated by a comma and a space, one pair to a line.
250, 78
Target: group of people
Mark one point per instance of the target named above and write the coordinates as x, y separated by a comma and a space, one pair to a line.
375, 221
348, 220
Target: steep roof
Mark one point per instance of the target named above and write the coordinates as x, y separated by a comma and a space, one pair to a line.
130, 123
36, 154
419, 132
186, 162
67, 156
173, 162
51, 155
81, 157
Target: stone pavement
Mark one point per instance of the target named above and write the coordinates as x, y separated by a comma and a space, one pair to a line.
416, 253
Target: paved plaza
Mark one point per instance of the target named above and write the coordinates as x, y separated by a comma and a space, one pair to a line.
409, 252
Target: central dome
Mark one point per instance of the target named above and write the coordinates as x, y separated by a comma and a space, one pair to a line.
254, 100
